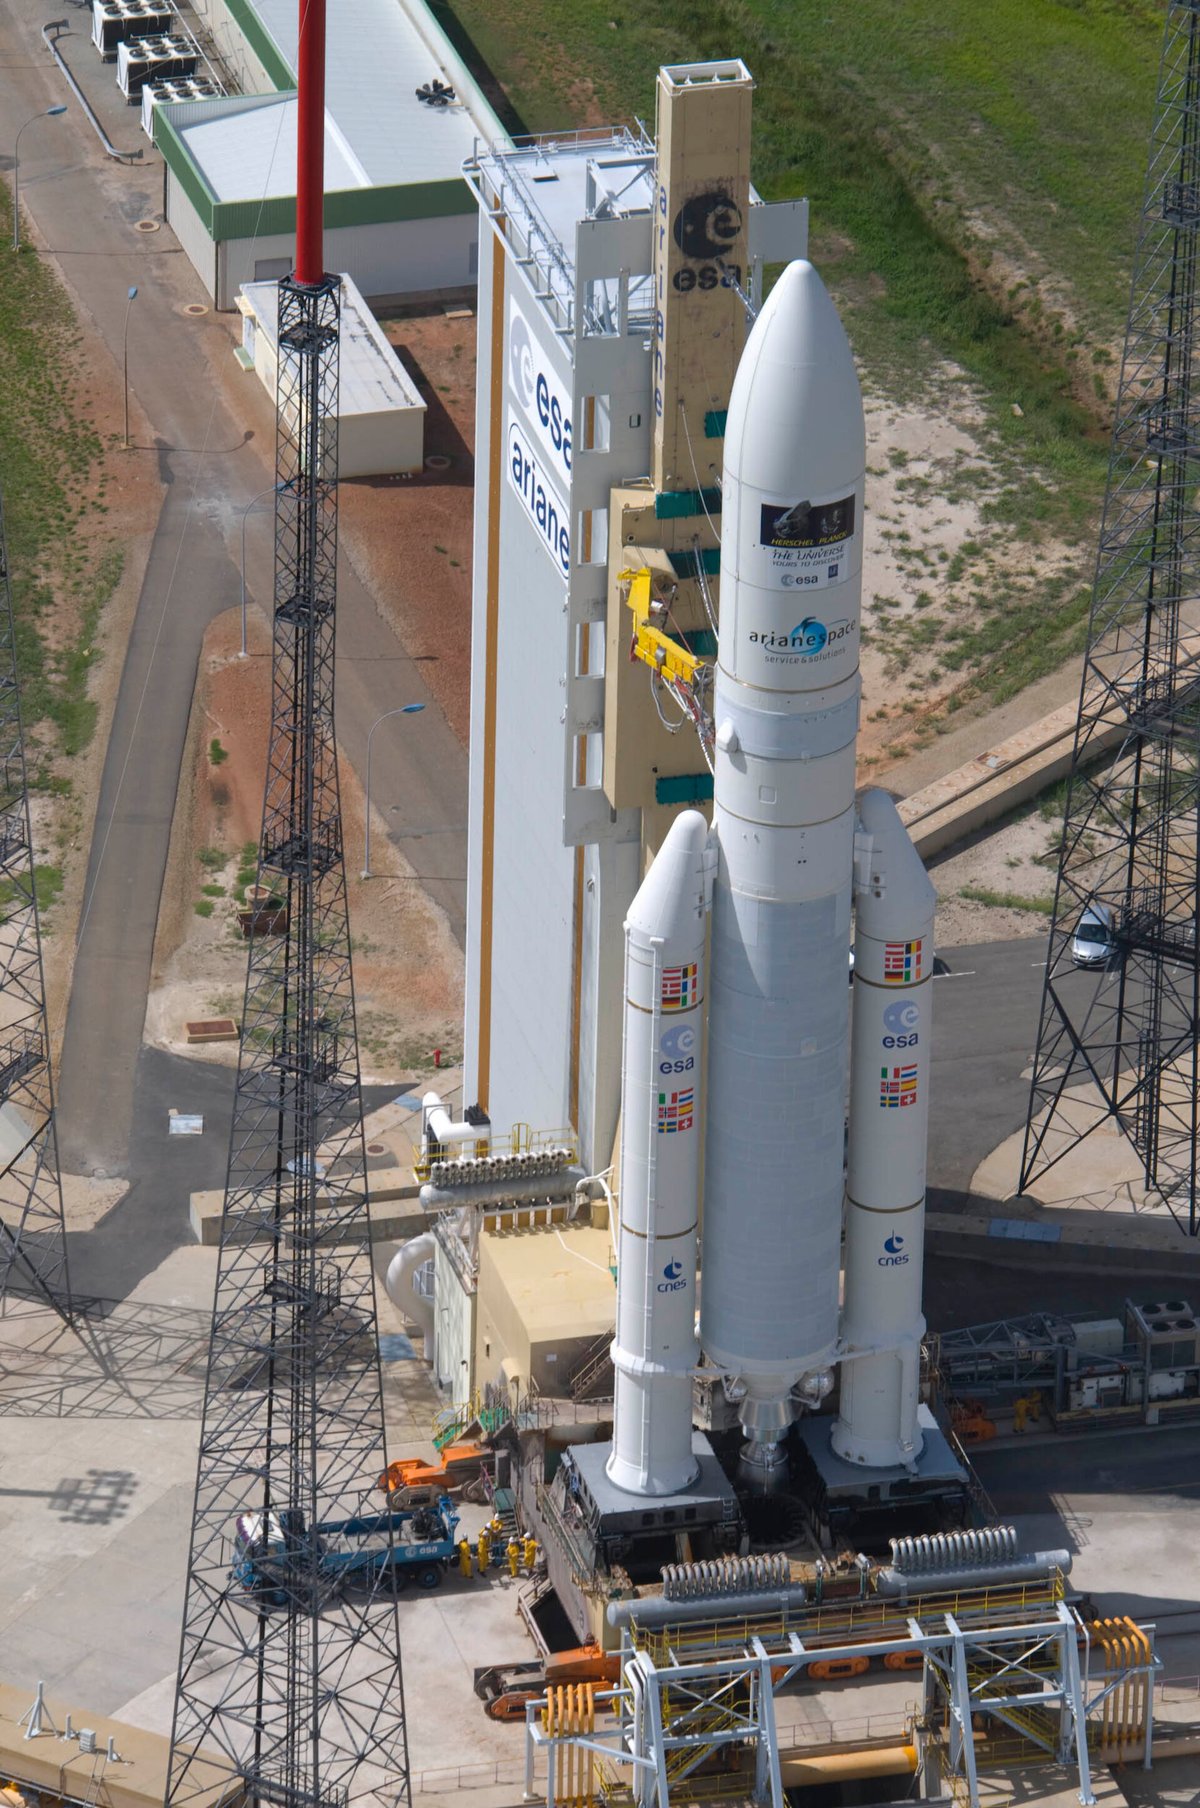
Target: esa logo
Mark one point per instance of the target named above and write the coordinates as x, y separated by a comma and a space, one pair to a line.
706, 229
901, 1021
673, 1280
677, 1050
546, 407
894, 1257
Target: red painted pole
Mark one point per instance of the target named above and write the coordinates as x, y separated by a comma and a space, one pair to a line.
310, 144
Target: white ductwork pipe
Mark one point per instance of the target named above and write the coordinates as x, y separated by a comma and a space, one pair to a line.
401, 1283
441, 1128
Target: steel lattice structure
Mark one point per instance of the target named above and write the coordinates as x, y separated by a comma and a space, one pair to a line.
297, 1689
33, 1238
1118, 1042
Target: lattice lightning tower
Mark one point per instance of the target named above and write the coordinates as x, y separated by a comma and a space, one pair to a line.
294, 1685
33, 1240
1118, 1041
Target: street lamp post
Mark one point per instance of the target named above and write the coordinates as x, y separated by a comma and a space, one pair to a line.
273, 491
130, 298
48, 113
405, 709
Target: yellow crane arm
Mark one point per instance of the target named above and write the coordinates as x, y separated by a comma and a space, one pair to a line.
650, 644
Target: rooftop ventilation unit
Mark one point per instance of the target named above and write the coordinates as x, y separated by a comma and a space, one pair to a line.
140, 60
114, 22
154, 94
435, 93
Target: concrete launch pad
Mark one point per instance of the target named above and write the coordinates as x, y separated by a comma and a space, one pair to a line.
846, 1489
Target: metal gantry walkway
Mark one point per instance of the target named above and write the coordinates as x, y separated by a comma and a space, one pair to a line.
1009, 1675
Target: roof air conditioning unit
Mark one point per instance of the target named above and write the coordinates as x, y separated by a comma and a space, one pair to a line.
435, 93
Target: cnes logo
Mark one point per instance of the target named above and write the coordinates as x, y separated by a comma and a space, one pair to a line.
674, 1280
894, 1256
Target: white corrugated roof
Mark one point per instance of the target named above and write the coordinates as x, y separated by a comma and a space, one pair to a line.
248, 152
372, 379
377, 132
375, 59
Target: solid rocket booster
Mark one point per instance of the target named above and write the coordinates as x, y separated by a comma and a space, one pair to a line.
882, 1324
655, 1348
786, 716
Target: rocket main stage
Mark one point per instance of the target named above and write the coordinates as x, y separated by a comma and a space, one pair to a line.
788, 854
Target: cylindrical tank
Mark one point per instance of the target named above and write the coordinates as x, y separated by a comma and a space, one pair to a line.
786, 716
655, 1348
889, 1125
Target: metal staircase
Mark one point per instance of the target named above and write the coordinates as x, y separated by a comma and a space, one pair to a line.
592, 1376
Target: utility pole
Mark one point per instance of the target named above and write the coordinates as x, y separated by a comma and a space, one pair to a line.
294, 1686
1117, 1042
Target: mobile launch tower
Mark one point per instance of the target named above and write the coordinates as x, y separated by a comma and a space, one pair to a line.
610, 329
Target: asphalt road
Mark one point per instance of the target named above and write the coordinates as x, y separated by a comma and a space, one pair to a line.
986, 1003
1157, 1468
86, 209
985, 1019
1124, 1505
152, 1218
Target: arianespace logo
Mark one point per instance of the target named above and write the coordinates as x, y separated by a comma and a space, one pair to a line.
674, 1280
677, 1049
894, 1256
901, 1024
809, 639
544, 402
540, 499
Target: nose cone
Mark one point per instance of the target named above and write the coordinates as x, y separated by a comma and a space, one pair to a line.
670, 901
796, 389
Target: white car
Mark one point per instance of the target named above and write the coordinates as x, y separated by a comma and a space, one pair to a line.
1092, 944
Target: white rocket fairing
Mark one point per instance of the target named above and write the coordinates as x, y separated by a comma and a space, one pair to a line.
786, 718
882, 1324
655, 1348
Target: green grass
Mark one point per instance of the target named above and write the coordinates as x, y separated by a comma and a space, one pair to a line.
1007, 900
212, 858
1037, 110
203, 907
213, 891
929, 138
217, 755
47, 886
48, 452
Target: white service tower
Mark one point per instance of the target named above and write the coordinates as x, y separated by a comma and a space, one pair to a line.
786, 718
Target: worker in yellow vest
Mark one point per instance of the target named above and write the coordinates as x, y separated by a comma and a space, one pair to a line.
464, 1556
512, 1551
531, 1553
484, 1548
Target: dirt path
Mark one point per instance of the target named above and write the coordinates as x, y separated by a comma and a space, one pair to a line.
407, 966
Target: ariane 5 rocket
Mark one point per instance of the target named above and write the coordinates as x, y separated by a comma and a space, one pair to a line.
788, 853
